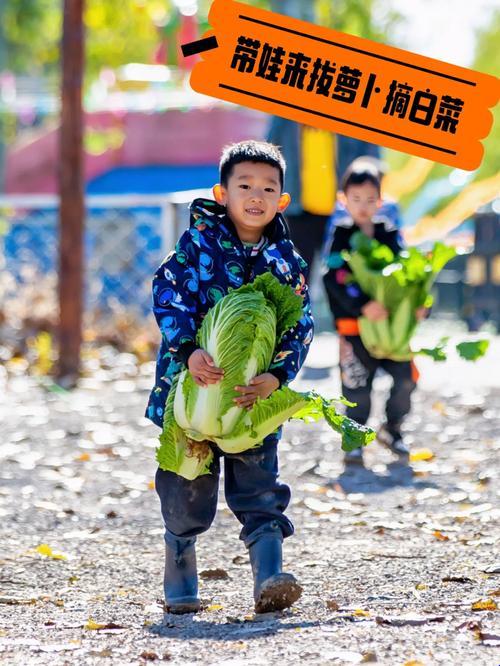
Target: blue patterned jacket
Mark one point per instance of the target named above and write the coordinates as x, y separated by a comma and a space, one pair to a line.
208, 260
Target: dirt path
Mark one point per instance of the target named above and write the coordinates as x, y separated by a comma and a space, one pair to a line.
391, 558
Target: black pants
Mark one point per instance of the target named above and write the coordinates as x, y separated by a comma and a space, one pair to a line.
357, 370
307, 231
253, 493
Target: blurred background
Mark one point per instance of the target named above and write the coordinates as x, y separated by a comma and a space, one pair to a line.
150, 142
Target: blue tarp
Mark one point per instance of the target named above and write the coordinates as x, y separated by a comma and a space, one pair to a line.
154, 179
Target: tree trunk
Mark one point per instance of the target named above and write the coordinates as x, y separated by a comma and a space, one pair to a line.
71, 184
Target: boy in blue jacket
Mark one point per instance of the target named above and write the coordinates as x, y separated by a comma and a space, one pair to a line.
229, 242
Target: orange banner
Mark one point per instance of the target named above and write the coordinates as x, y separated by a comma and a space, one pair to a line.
345, 84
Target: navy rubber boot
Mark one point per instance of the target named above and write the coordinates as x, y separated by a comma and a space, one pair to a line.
180, 581
273, 589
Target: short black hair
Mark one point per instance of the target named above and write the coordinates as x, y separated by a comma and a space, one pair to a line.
251, 151
357, 174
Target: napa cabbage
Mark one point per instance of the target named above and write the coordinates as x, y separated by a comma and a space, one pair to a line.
241, 333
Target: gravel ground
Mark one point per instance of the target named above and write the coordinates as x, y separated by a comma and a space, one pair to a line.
392, 558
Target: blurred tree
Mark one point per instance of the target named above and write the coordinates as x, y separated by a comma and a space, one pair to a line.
371, 19
487, 59
118, 31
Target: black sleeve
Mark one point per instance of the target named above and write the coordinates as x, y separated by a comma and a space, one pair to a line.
349, 301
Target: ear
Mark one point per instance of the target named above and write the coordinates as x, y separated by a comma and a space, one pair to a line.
284, 201
379, 202
220, 194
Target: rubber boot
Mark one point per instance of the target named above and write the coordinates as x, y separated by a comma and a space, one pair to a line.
180, 581
273, 589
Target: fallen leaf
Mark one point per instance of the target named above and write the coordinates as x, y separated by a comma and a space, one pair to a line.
359, 612
149, 656
440, 536
240, 560
332, 605
214, 607
491, 640
214, 574
493, 593
469, 625
421, 454
151, 485
421, 586
413, 662
369, 657
83, 457
45, 550
96, 626
484, 605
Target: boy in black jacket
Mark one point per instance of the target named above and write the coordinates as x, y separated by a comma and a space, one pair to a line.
361, 197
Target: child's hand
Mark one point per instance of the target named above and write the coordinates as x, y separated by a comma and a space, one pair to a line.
421, 313
260, 386
374, 311
202, 367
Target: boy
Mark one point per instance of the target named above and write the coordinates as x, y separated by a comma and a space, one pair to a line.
230, 241
361, 198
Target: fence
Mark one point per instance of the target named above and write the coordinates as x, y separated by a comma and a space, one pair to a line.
126, 238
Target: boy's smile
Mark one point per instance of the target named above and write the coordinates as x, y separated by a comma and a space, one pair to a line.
252, 196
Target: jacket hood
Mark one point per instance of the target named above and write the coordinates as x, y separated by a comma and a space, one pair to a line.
215, 214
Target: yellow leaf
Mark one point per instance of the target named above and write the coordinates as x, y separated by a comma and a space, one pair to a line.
214, 607
151, 485
359, 612
484, 604
413, 662
439, 407
421, 454
440, 536
93, 626
84, 457
421, 586
45, 550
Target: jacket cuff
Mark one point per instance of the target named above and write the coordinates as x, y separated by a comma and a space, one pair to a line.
184, 351
280, 374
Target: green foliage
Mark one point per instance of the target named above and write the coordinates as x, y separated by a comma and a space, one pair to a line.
471, 350
370, 19
117, 32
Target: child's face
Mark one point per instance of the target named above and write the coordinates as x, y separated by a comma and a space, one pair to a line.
252, 197
362, 202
